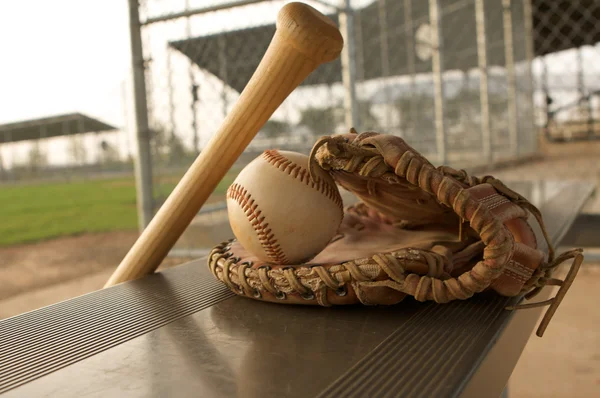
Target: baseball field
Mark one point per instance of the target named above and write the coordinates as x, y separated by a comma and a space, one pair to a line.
35, 212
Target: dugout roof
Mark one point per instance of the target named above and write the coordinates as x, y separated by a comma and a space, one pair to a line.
53, 126
559, 25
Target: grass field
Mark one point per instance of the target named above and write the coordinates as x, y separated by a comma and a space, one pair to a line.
34, 212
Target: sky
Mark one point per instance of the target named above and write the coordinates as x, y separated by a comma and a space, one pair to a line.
64, 56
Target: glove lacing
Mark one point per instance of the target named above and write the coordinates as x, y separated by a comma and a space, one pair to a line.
542, 276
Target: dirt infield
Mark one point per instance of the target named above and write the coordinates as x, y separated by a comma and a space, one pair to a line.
566, 361
27, 268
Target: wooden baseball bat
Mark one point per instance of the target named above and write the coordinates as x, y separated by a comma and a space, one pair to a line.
304, 39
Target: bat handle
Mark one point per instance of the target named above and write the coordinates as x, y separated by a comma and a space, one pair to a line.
303, 40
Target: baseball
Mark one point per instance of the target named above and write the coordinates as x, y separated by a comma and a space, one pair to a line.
279, 213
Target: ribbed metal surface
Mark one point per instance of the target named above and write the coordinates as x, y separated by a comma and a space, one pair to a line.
40, 342
424, 357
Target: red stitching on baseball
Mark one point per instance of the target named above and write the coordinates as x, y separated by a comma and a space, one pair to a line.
282, 163
266, 238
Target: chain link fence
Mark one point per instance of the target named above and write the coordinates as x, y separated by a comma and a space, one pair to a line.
567, 69
452, 77
465, 82
449, 77
198, 65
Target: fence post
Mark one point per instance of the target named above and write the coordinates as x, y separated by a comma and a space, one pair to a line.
171, 95
143, 164
484, 95
511, 80
581, 91
529, 54
385, 59
346, 18
193, 85
410, 64
437, 65
223, 72
3, 171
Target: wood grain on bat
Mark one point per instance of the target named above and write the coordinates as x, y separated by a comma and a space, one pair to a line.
304, 39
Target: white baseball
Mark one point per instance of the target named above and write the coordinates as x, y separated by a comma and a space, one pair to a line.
279, 213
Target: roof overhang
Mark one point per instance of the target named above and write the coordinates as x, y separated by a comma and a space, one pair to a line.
53, 126
233, 56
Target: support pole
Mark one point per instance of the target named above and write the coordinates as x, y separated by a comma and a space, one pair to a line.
126, 120
582, 94
80, 140
529, 54
3, 171
547, 98
437, 65
410, 64
194, 86
359, 59
223, 72
351, 117
580, 89
511, 80
385, 59
143, 164
8, 140
38, 143
171, 95
65, 133
484, 97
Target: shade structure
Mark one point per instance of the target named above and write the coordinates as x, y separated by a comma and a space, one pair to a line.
52, 126
232, 56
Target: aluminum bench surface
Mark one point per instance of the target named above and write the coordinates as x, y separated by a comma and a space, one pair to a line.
181, 333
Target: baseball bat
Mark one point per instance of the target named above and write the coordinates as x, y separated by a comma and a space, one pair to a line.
304, 39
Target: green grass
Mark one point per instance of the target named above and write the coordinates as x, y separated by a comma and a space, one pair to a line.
34, 212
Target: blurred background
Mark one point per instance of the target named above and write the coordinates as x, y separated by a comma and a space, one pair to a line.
92, 143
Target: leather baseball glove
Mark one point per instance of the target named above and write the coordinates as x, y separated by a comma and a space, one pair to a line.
436, 234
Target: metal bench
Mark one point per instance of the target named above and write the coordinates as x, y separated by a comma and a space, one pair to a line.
180, 333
